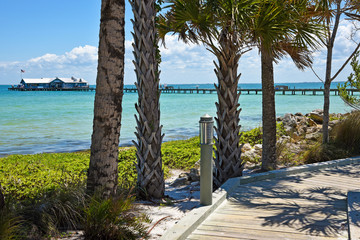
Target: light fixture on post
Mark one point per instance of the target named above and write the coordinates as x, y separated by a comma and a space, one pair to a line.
206, 171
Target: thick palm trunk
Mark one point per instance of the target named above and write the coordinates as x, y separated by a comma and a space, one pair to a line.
228, 163
103, 169
149, 163
268, 112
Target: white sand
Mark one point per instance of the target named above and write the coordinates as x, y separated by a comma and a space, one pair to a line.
184, 199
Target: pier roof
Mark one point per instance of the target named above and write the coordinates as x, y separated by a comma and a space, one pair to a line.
49, 80
37, 80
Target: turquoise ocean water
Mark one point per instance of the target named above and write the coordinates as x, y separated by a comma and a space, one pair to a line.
35, 122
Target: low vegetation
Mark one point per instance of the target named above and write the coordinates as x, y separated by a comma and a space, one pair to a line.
45, 192
114, 218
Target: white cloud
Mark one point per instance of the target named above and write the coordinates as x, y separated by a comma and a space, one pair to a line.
80, 61
181, 63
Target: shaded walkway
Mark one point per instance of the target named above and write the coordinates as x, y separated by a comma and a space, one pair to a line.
309, 205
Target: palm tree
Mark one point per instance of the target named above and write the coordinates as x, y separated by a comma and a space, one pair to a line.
149, 163
103, 169
221, 26
329, 15
279, 28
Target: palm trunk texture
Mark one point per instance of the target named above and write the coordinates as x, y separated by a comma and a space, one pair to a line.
103, 169
228, 163
268, 112
149, 137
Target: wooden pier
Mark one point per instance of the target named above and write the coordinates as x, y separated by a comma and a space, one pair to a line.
246, 91
200, 90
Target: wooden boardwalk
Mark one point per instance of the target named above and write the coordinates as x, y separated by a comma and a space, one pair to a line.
304, 206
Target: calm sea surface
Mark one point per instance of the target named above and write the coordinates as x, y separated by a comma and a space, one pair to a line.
34, 122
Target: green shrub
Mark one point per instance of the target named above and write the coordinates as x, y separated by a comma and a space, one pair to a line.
31, 176
127, 167
113, 218
254, 136
182, 154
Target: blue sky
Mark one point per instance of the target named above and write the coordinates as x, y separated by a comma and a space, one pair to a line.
59, 38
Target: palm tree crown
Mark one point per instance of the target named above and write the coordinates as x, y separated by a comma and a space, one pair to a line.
221, 25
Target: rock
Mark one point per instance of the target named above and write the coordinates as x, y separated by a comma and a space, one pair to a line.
197, 183
311, 122
333, 123
279, 119
258, 148
179, 182
317, 115
311, 129
301, 131
246, 147
289, 120
299, 118
312, 136
294, 148
288, 130
184, 175
299, 114
250, 156
301, 126
194, 175
197, 164
284, 139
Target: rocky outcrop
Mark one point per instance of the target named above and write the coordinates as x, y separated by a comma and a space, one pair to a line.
299, 125
299, 128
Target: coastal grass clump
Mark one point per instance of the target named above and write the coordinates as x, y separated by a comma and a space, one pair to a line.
70, 208
346, 134
10, 224
57, 210
344, 141
320, 152
114, 218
